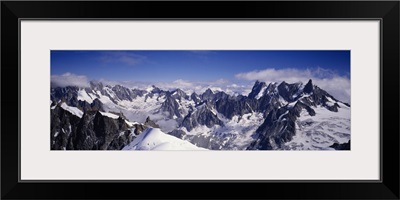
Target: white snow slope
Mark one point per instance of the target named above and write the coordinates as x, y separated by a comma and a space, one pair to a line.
73, 110
155, 139
322, 130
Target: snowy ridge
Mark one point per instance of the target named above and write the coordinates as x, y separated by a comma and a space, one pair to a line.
84, 96
261, 93
155, 139
73, 110
110, 115
130, 124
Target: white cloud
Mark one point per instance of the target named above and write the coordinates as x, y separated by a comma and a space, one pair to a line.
69, 79
337, 86
182, 84
200, 87
188, 86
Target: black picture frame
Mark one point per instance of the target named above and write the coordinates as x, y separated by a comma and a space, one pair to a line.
386, 11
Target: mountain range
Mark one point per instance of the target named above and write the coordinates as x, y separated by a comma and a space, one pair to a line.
274, 116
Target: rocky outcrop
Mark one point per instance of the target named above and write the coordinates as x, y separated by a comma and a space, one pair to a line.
258, 86
122, 93
230, 107
171, 106
343, 146
62, 126
208, 95
91, 132
202, 115
289, 91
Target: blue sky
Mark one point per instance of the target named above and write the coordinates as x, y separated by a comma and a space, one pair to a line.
164, 66
230, 71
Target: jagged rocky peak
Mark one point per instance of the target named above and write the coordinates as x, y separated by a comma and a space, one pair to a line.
171, 106
261, 89
122, 92
290, 92
272, 89
257, 89
202, 115
207, 95
179, 94
67, 94
120, 88
309, 87
155, 89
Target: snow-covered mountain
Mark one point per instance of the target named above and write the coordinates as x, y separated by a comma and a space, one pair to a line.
155, 139
271, 117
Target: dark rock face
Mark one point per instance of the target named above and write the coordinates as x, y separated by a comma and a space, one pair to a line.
91, 132
139, 128
279, 127
195, 97
343, 146
207, 95
256, 89
171, 106
156, 90
231, 107
289, 91
202, 116
122, 93
106, 130
179, 94
309, 87
96, 105
67, 94
62, 126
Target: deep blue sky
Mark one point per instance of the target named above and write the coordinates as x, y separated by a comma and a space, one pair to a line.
165, 66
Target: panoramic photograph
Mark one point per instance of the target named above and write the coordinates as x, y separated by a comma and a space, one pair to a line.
200, 100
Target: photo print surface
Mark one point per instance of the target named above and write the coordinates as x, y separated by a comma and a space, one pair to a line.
200, 100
